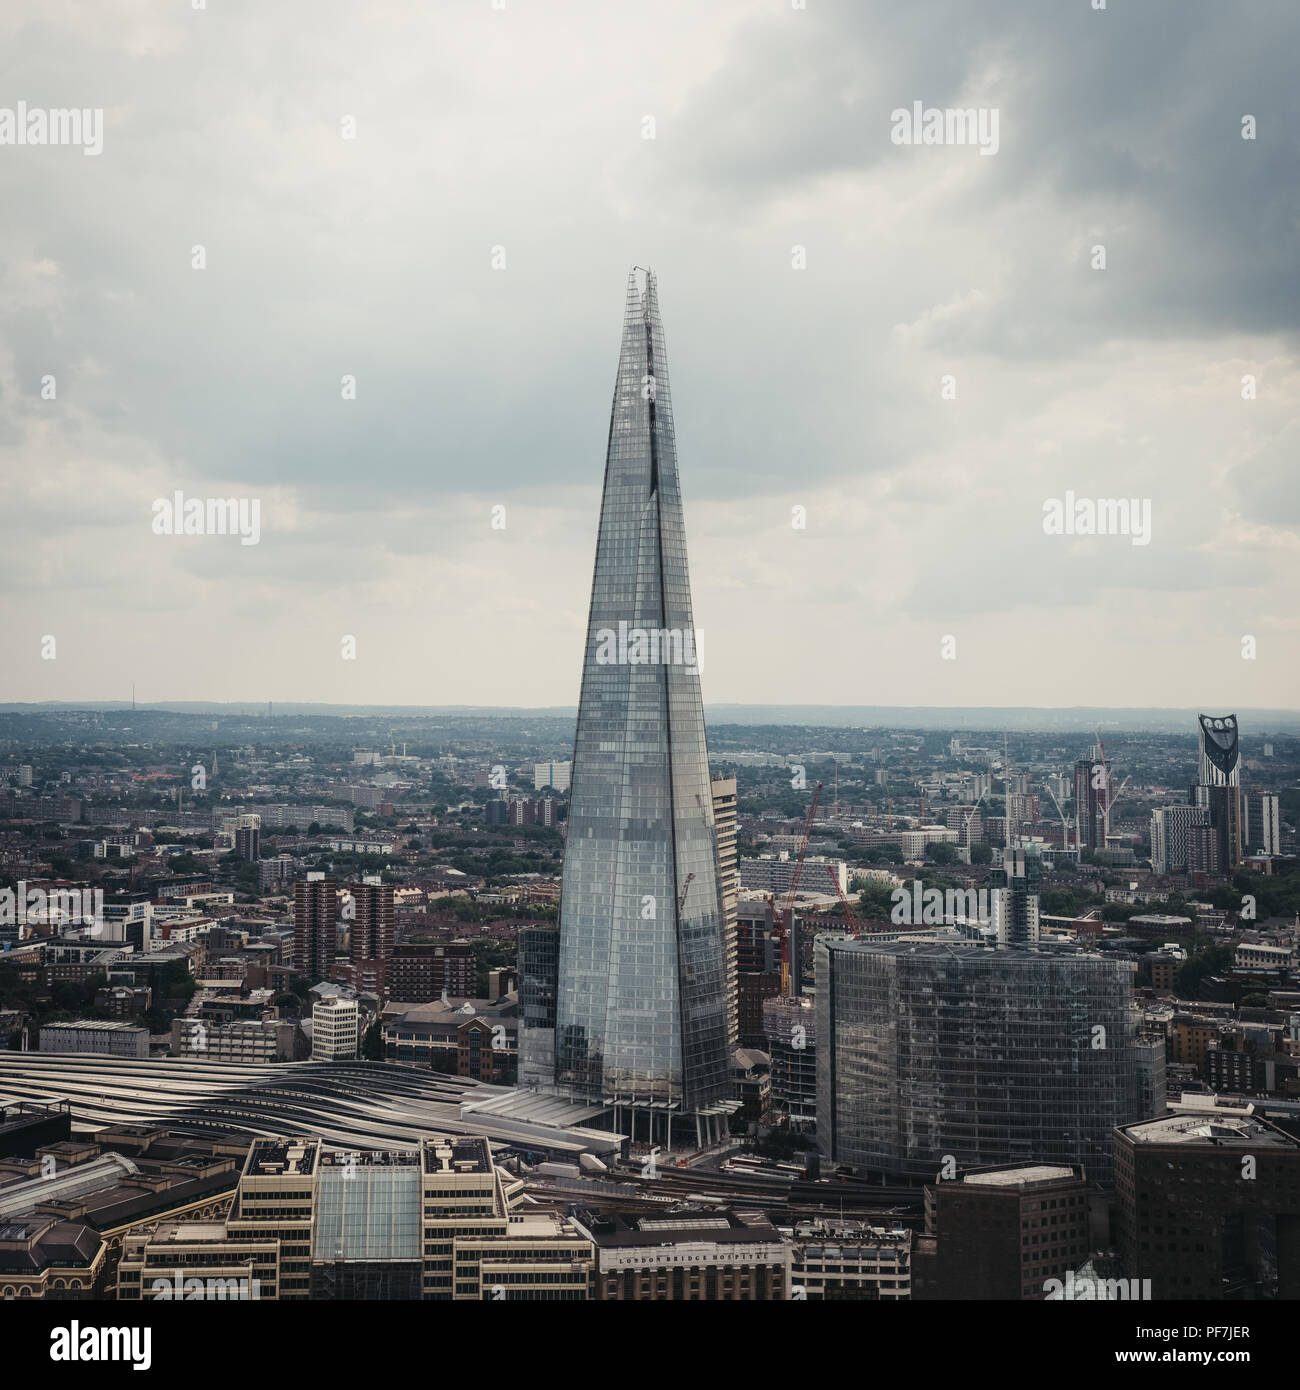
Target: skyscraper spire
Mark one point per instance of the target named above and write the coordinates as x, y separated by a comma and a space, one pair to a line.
640, 1001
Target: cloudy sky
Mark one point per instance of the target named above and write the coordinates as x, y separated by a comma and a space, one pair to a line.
518, 133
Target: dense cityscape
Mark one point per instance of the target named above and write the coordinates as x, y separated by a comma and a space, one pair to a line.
457, 848
475, 1006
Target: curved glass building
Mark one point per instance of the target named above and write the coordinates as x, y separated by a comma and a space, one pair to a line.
930, 1050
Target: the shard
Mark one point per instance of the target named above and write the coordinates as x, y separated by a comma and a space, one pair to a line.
640, 1013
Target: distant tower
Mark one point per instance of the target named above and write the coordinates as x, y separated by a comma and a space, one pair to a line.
1015, 899
248, 837
1089, 803
315, 932
371, 934
1220, 760
1263, 822
1218, 785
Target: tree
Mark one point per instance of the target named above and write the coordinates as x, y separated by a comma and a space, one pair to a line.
876, 900
981, 854
940, 853
1212, 962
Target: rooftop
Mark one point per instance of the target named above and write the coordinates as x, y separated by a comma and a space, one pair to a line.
276, 1157
446, 1154
99, 1025
351, 1160
1030, 1173
727, 1227
188, 1232
1217, 1131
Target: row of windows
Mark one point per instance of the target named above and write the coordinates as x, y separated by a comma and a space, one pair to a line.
530, 1278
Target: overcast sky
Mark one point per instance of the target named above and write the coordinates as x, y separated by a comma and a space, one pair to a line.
523, 128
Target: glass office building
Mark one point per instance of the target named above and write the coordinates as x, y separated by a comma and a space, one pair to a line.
928, 1050
539, 954
640, 1012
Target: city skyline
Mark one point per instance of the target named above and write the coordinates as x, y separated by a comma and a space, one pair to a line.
826, 830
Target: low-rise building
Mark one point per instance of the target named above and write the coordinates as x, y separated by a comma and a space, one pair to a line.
1005, 1233
91, 1035
477, 1038
242, 1041
714, 1256
441, 1222
69, 1207
844, 1260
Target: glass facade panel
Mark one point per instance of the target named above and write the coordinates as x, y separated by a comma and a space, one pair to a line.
368, 1213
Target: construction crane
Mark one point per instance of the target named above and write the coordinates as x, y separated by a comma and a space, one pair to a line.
1066, 821
854, 924
1105, 789
686, 888
1111, 795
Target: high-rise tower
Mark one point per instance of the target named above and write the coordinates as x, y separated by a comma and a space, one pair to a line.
641, 1009
315, 925
1015, 898
1220, 753
1218, 785
1089, 804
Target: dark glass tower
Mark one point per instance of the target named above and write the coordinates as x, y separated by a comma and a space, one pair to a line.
640, 1012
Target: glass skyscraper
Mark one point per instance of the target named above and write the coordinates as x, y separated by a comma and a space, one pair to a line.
640, 1005
935, 1049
